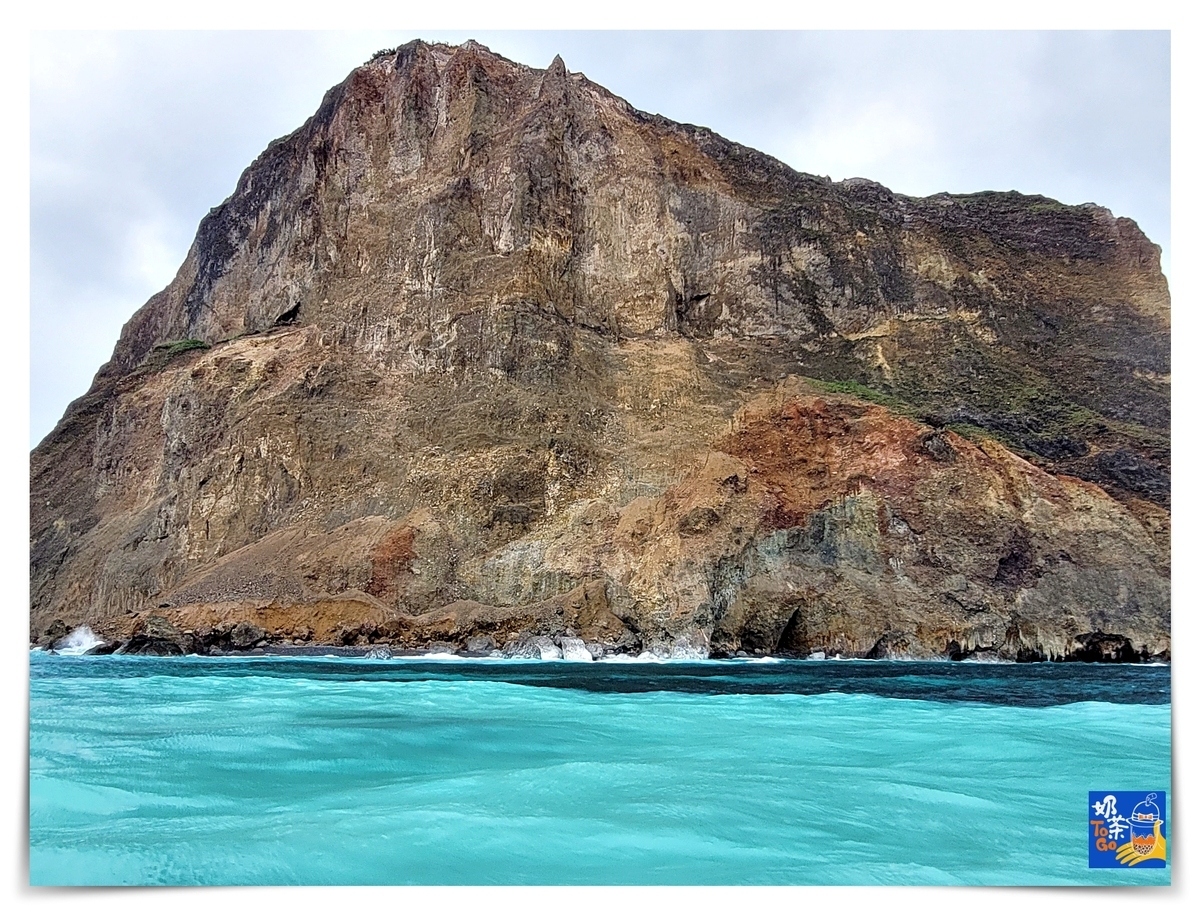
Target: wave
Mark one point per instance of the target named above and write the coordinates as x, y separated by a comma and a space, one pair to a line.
80, 641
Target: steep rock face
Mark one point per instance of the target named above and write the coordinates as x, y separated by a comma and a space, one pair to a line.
482, 350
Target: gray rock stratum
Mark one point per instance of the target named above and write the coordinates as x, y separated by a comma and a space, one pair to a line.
483, 355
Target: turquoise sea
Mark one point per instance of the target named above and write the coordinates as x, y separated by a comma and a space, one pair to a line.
346, 771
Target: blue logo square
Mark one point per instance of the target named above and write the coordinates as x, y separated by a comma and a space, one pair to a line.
1127, 829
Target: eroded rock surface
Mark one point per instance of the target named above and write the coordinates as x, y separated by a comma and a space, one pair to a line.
482, 358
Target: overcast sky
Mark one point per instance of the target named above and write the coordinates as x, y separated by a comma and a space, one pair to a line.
136, 135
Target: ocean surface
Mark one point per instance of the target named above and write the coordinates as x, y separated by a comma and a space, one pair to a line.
414, 771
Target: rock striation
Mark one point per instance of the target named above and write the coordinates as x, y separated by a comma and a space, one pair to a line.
481, 358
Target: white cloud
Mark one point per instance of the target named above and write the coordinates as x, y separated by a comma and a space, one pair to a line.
863, 144
153, 257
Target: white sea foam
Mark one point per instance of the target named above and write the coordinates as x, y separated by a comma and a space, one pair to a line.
649, 657
78, 642
643, 658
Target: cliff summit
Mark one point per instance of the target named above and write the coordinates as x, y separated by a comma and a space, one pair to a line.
481, 357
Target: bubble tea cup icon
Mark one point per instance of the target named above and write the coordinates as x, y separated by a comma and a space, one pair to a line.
1141, 825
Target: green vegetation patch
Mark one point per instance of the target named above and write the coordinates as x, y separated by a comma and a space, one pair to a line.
970, 432
177, 347
863, 392
1046, 205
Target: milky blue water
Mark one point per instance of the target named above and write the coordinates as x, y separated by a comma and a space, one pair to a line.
280, 771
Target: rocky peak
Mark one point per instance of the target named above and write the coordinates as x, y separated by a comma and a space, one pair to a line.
473, 337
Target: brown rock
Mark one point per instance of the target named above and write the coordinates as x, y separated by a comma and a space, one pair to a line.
55, 631
482, 351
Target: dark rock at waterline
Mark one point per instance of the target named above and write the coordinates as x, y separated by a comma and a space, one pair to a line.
481, 644
898, 645
1102, 646
55, 632
145, 646
246, 635
955, 652
539, 647
1090, 647
158, 636
378, 653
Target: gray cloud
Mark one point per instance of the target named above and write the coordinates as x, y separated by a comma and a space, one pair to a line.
135, 136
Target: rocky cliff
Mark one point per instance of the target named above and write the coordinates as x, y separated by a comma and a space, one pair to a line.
482, 354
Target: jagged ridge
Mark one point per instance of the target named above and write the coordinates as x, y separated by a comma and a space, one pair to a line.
497, 314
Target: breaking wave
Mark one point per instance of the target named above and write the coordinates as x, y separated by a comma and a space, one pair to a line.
80, 641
